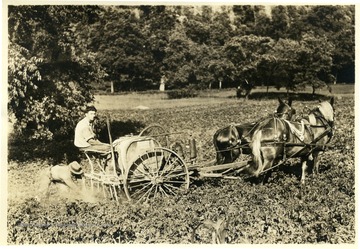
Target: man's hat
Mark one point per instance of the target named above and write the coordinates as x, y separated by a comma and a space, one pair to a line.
75, 168
90, 108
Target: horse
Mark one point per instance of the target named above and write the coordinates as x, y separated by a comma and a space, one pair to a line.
233, 140
278, 139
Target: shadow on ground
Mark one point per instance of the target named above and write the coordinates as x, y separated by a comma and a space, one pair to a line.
283, 95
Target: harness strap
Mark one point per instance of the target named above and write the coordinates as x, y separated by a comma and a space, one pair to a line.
232, 126
312, 123
305, 146
308, 128
285, 159
252, 128
275, 125
298, 133
312, 119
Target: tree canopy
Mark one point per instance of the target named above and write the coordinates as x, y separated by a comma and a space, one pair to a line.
58, 53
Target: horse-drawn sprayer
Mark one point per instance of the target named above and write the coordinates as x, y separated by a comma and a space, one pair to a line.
143, 167
153, 164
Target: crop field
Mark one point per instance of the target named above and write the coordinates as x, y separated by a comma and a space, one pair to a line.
245, 211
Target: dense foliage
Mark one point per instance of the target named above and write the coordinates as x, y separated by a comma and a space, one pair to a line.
242, 211
58, 52
186, 92
50, 69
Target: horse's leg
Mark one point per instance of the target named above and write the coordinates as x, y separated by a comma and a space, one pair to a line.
235, 155
228, 156
303, 169
266, 177
316, 162
219, 158
269, 155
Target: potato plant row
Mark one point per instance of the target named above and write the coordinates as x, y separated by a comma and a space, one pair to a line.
213, 210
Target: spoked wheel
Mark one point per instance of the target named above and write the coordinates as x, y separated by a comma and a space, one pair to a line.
158, 172
157, 132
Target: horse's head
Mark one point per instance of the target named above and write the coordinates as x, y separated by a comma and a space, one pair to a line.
225, 142
326, 108
284, 110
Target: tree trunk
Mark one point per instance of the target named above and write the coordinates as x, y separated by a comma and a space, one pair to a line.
220, 84
112, 86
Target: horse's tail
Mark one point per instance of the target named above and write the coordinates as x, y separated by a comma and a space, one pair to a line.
256, 152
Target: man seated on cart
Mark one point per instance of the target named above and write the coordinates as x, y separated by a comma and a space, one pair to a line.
85, 137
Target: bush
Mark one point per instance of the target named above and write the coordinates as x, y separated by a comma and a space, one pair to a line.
188, 92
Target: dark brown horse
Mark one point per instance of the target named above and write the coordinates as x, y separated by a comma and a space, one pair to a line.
277, 139
233, 140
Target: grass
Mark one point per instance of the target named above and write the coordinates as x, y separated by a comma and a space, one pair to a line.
152, 101
159, 100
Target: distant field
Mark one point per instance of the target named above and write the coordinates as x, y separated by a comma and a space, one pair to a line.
138, 100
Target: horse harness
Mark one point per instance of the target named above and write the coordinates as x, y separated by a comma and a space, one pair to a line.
280, 114
309, 124
238, 142
238, 145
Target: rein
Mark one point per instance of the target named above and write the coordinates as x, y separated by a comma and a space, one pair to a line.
233, 147
325, 123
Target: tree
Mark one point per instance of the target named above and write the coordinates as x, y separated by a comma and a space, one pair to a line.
297, 25
262, 22
158, 22
344, 43
338, 24
303, 63
266, 68
130, 44
178, 64
315, 62
280, 22
49, 70
246, 52
285, 53
220, 28
198, 31
221, 70
121, 47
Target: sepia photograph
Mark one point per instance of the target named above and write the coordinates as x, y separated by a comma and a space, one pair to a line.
204, 123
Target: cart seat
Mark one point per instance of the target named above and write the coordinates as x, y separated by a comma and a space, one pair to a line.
95, 152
